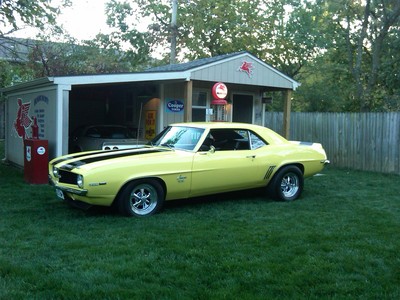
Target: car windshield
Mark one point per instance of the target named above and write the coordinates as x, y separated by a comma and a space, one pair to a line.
178, 137
109, 132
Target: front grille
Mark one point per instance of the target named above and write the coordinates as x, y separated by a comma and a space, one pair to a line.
67, 177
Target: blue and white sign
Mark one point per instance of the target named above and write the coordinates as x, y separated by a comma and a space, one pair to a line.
175, 106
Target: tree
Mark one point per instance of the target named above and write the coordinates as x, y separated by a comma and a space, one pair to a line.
18, 14
68, 57
356, 68
366, 28
54, 52
213, 27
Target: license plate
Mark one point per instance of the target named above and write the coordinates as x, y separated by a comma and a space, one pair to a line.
60, 194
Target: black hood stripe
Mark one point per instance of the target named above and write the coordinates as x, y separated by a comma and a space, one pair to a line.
82, 154
109, 155
75, 155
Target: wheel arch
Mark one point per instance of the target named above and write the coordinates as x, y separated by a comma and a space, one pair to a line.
299, 165
296, 164
158, 179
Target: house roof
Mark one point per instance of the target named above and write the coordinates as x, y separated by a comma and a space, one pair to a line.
219, 68
193, 64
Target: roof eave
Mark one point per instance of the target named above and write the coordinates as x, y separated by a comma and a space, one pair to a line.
118, 78
26, 85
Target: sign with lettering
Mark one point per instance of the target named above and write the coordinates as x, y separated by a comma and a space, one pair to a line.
219, 91
150, 125
40, 111
175, 106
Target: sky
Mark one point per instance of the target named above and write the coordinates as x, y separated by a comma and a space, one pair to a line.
83, 20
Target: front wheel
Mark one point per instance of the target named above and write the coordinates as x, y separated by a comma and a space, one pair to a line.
141, 198
287, 184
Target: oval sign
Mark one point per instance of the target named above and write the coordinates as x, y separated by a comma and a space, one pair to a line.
219, 90
175, 106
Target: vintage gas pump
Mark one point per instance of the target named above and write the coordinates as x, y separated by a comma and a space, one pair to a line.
218, 104
35, 157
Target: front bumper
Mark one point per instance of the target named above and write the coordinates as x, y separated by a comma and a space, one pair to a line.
79, 192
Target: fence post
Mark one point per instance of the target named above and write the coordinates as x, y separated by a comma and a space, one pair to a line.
287, 94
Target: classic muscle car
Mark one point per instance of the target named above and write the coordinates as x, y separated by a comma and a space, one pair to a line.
187, 160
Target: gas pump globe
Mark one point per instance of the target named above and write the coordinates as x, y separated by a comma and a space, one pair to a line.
218, 105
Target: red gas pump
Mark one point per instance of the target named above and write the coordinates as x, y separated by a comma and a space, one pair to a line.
218, 105
36, 158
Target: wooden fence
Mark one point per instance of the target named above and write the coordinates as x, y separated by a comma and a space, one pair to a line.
361, 141
2, 121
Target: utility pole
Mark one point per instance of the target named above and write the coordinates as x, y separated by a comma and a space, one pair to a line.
174, 31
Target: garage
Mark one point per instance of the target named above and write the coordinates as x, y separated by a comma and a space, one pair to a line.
145, 102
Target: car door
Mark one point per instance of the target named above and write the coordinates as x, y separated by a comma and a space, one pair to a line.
227, 168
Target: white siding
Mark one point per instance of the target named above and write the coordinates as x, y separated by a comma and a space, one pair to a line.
45, 111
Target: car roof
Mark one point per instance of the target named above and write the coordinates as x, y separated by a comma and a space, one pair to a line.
214, 125
223, 125
264, 131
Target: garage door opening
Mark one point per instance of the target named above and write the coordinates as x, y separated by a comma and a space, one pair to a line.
242, 108
122, 105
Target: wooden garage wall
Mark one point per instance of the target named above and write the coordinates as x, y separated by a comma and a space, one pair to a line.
172, 91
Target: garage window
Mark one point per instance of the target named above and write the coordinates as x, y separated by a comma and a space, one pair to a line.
199, 106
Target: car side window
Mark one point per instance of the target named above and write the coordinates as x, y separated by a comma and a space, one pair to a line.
255, 141
229, 139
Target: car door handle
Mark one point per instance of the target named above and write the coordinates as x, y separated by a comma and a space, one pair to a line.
251, 156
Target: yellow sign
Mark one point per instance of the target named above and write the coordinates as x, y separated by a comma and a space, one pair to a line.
150, 126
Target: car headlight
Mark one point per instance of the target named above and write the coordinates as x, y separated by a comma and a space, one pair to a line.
55, 172
79, 181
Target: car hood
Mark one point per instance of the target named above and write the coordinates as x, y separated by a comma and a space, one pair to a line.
96, 159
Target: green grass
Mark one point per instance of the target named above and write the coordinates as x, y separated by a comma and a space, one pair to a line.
341, 240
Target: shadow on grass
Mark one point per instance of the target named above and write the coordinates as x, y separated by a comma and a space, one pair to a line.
189, 203
243, 195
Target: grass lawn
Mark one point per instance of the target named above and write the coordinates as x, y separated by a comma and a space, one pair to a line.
341, 240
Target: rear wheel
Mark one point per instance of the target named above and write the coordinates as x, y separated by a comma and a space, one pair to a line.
141, 198
287, 184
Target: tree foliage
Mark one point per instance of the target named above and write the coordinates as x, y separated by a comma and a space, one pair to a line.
367, 28
209, 28
363, 53
15, 14
54, 52
345, 53
67, 56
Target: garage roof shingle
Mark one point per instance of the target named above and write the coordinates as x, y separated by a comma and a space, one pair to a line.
193, 64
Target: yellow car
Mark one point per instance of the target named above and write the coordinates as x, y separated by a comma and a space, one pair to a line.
187, 160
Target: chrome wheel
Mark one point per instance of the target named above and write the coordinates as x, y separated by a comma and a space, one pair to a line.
287, 184
290, 185
143, 199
